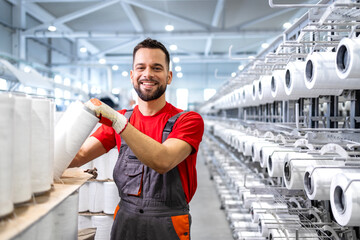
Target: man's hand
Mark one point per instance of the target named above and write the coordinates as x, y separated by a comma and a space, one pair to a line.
107, 115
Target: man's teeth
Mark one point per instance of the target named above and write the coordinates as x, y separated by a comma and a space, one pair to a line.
149, 84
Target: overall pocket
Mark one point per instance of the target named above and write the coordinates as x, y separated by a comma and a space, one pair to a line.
133, 174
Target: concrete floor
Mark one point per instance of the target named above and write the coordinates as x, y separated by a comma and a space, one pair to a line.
208, 220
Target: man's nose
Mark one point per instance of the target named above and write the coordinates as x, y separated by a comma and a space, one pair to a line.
148, 73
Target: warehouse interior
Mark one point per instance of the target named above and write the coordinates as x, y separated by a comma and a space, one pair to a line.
276, 82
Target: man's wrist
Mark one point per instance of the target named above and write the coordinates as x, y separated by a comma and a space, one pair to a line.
120, 123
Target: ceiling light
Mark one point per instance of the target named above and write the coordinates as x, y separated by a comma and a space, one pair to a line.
169, 27
178, 68
115, 91
27, 69
179, 75
233, 74
251, 57
287, 25
265, 45
102, 60
176, 59
67, 81
173, 47
241, 67
125, 74
115, 67
57, 79
52, 28
83, 49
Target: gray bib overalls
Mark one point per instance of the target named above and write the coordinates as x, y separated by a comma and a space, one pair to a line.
149, 200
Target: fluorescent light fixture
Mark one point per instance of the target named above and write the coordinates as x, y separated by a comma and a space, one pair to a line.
102, 60
178, 68
125, 73
115, 91
233, 74
83, 49
52, 28
169, 28
27, 69
115, 67
176, 59
27, 89
287, 25
265, 45
41, 91
251, 57
173, 47
241, 67
3, 84
179, 75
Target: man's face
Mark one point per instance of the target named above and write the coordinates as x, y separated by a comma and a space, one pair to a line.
150, 74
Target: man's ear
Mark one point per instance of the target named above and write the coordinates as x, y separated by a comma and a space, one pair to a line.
131, 75
169, 78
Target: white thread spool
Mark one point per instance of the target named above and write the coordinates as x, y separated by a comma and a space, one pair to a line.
6, 162
294, 81
84, 197
100, 164
275, 163
247, 95
348, 60
21, 149
255, 93
103, 225
112, 157
247, 144
40, 146
111, 197
238, 97
295, 168
243, 225
266, 207
66, 218
317, 185
267, 152
52, 140
96, 197
290, 234
249, 198
84, 222
70, 133
320, 74
265, 90
242, 235
278, 86
257, 149
345, 199
270, 221
239, 217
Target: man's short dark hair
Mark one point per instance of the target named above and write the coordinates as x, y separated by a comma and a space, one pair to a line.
153, 44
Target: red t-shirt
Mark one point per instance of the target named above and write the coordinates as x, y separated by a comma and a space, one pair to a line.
189, 127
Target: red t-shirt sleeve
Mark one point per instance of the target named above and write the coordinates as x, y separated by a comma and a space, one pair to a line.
106, 135
189, 128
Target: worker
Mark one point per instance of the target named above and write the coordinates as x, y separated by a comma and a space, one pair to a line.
158, 143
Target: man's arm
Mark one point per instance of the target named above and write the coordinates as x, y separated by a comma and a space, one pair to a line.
91, 149
160, 157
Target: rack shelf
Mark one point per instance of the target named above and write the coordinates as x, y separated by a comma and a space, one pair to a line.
28, 214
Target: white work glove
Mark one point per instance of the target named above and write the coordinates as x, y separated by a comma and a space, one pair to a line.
107, 115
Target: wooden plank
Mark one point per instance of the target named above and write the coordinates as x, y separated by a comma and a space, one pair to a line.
28, 214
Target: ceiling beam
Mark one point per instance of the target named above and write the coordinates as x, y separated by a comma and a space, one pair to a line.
72, 16
132, 17
117, 47
225, 34
166, 14
215, 22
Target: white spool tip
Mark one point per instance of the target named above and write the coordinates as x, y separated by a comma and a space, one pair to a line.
260, 88
273, 84
308, 186
287, 171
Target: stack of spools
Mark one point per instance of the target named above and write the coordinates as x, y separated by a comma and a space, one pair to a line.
27, 149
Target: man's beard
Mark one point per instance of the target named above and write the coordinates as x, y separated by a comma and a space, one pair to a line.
143, 95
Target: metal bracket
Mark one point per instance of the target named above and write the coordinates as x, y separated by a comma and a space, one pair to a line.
334, 148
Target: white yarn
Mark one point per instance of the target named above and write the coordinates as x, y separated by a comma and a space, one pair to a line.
111, 197
70, 133
84, 197
40, 146
103, 226
96, 197
6, 133
21, 149
66, 218
84, 222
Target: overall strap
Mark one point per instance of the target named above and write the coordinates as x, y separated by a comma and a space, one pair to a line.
169, 125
